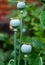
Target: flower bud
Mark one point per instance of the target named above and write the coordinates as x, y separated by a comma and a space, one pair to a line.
23, 30
20, 5
15, 23
26, 48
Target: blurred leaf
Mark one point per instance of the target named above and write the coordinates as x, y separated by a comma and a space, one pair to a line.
42, 19
1, 63
26, 39
24, 13
27, 19
34, 59
2, 56
37, 44
3, 36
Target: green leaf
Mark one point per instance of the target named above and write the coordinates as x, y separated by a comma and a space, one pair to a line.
38, 33
26, 39
37, 44
2, 56
34, 59
42, 19
1, 63
24, 13
27, 18
2, 36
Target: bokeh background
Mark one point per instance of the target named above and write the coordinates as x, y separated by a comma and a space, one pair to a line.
33, 32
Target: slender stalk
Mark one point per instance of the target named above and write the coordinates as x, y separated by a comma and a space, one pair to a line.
28, 60
15, 46
25, 59
20, 40
12, 60
41, 61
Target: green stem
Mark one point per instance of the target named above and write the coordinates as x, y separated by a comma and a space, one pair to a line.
41, 62
25, 59
15, 46
12, 60
28, 60
20, 40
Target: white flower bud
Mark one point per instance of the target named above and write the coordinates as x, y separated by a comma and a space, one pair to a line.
15, 23
20, 5
26, 48
25, 56
23, 30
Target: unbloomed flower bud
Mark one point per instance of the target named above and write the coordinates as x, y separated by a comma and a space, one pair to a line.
20, 5
26, 48
15, 23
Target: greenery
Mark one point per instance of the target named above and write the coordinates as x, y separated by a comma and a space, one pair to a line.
33, 33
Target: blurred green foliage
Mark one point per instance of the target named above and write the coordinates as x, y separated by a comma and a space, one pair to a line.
34, 23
